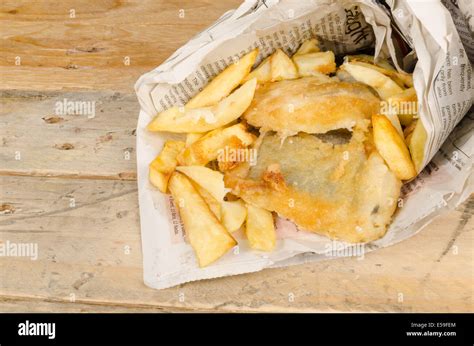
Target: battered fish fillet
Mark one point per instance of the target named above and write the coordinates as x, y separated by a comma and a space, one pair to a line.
311, 105
328, 185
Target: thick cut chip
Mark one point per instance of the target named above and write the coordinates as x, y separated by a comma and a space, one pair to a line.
211, 202
310, 46
407, 131
315, 63
311, 105
210, 185
232, 155
328, 184
416, 143
192, 137
403, 79
225, 82
164, 164
405, 105
214, 144
344, 76
392, 148
198, 120
208, 179
393, 119
282, 67
263, 73
370, 60
260, 229
383, 84
233, 214
207, 236
277, 66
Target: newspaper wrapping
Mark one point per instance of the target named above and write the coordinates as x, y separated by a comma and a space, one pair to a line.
442, 79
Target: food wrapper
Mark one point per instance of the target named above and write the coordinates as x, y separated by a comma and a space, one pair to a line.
442, 79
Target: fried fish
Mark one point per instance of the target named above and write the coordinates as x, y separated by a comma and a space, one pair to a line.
311, 104
328, 185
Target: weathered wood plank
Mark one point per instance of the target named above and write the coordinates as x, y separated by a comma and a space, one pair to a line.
51, 45
54, 79
87, 228
37, 138
92, 251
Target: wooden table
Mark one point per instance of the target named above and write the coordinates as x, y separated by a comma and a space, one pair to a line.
67, 183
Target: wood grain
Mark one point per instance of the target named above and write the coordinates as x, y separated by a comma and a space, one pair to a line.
87, 51
92, 250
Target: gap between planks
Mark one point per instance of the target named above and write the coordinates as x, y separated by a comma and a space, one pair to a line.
95, 306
